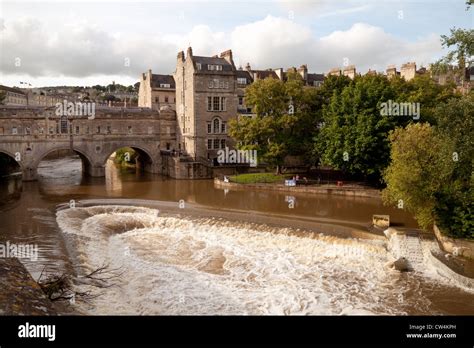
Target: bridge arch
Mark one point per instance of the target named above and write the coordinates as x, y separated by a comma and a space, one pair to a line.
11, 156
85, 158
146, 159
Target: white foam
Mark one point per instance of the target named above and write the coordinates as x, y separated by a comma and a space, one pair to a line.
204, 266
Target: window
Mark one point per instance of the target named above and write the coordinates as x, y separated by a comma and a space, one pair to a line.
165, 85
15, 130
209, 127
222, 143
209, 103
51, 130
198, 66
77, 129
98, 129
216, 104
209, 144
223, 127
157, 99
222, 84
241, 100
241, 80
109, 130
226, 86
216, 143
166, 99
214, 67
216, 123
129, 129
64, 124
223, 106
210, 85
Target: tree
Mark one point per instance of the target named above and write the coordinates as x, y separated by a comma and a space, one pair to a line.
420, 166
454, 208
462, 54
284, 120
354, 135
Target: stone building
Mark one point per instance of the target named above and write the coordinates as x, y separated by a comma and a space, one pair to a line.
408, 71
349, 71
392, 71
334, 72
206, 99
13, 96
244, 79
157, 91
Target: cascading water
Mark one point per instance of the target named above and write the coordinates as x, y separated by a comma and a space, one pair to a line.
184, 265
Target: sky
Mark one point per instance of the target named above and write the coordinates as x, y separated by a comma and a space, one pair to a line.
60, 42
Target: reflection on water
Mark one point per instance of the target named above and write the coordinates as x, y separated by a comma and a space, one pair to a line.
27, 212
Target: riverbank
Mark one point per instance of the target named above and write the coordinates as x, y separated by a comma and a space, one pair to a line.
21, 294
351, 191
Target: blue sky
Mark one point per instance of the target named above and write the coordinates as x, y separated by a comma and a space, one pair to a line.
83, 43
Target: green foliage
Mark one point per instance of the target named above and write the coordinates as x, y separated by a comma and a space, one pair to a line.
421, 164
461, 42
126, 156
257, 178
454, 209
284, 122
353, 125
432, 169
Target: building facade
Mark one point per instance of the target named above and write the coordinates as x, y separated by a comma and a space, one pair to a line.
157, 91
206, 100
13, 96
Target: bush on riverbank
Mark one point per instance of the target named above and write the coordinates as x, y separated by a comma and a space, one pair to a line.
126, 157
431, 169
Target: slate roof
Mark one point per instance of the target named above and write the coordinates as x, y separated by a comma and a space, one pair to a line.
263, 74
157, 79
205, 61
244, 74
314, 77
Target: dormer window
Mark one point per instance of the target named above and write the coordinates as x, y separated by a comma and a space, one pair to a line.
241, 80
165, 85
198, 65
215, 67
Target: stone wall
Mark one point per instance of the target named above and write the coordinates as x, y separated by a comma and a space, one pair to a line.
354, 192
459, 246
29, 134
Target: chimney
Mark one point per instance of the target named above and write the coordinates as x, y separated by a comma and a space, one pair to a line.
181, 56
227, 55
247, 67
279, 73
190, 52
303, 71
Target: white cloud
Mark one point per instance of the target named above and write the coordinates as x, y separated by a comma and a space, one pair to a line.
276, 42
82, 50
271, 42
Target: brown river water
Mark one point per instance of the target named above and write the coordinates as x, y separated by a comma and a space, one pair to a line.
250, 253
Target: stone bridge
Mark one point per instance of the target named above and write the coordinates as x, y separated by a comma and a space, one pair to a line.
28, 134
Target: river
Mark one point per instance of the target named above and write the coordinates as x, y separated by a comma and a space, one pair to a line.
249, 253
